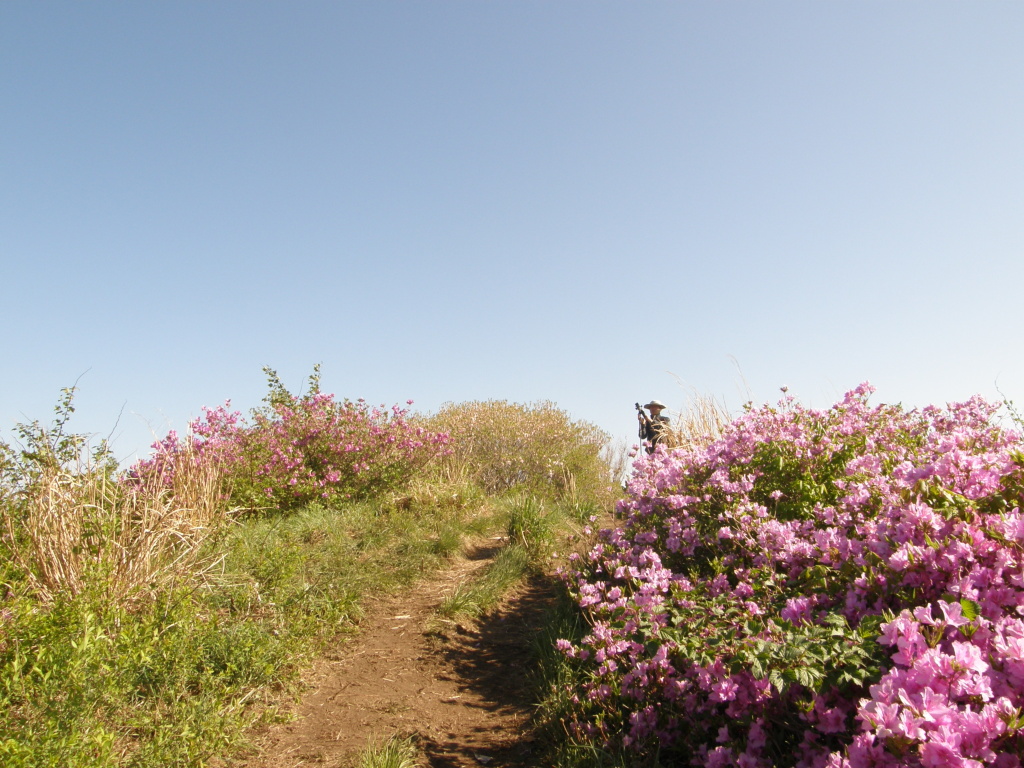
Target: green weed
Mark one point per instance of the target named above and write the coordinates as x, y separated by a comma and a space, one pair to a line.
396, 752
482, 595
530, 526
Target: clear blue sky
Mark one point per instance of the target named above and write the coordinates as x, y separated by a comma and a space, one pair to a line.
447, 201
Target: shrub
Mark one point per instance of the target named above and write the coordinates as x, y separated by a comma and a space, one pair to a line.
839, 588
532, 447
302, 448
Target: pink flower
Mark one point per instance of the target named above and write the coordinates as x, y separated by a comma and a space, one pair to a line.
798, 610
832, 721
968, 657
953, 614
724, 690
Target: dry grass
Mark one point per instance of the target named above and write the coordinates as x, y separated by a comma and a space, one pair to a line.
619, 456
82, 528
700, 421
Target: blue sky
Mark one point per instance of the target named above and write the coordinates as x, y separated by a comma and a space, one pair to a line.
592, 203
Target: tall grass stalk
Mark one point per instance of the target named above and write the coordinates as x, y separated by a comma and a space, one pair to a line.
618, 455
701, 420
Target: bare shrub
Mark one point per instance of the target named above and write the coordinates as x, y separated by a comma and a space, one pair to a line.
536, 446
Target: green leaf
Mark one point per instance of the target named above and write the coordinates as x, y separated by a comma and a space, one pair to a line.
970, 608
757, 668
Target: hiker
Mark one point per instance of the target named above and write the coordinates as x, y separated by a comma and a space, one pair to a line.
653, 429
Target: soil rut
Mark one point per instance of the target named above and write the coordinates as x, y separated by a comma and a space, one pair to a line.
460, 689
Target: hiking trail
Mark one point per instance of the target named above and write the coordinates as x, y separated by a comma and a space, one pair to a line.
461, 689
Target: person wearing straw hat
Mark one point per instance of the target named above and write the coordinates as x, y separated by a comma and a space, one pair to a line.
653, 429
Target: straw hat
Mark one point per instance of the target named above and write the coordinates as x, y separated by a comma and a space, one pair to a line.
655, 404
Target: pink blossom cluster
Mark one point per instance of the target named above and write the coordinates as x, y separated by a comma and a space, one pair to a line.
840, 588
302, 448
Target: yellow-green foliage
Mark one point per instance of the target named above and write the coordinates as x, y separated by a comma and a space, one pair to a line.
534, 446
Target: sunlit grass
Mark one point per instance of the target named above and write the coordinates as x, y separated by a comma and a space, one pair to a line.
396, 752
481, 595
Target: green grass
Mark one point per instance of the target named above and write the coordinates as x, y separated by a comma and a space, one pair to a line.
179, 678
532, 528
478, 597
156, 633
530, 525
396, 752
160, 684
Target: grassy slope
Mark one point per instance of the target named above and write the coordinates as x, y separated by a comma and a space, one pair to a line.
168, 666
176, 679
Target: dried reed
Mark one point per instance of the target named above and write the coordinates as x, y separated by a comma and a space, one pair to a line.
699, 422
82, 529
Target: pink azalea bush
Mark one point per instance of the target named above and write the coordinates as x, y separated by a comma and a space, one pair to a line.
302, 448
839, 588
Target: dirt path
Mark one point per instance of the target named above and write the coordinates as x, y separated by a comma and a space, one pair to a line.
460, 690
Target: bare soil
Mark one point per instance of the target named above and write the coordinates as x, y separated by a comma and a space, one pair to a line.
460, 689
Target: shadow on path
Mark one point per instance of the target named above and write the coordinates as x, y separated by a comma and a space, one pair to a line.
494, 660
